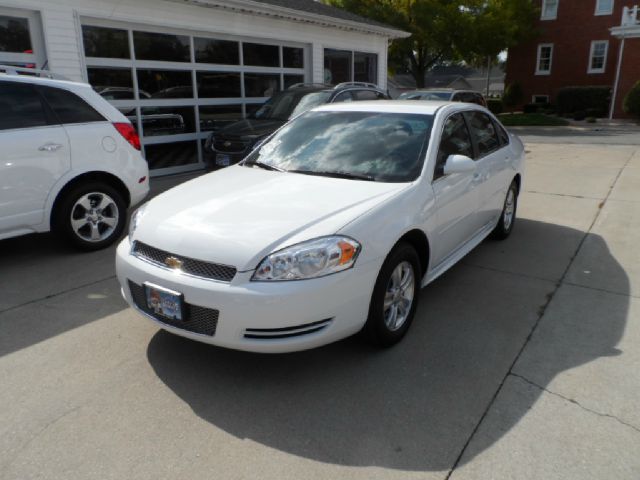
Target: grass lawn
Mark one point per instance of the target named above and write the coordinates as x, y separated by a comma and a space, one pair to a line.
531, 120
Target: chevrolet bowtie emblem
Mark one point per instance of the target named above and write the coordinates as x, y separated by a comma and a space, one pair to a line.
227, 143
173, 262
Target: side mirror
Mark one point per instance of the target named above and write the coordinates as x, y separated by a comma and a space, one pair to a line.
459, 164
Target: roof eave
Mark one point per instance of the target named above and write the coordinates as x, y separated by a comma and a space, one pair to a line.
257, 8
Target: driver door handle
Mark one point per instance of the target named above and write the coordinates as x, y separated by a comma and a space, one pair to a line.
50, 147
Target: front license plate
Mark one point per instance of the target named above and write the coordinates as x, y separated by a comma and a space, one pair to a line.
164, 302
223, 160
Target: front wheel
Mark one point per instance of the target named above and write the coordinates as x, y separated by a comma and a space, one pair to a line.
91, 216
508, 216
395, 297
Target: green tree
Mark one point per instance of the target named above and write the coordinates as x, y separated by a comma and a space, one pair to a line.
446, 29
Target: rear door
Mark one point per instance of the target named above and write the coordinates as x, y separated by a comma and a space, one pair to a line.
457, 194
35, 154
492, 158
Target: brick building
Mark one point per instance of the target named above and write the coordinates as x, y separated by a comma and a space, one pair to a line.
580, 43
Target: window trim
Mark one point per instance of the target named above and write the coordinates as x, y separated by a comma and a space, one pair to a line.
590, 69
598, 12
538, 58
543, 10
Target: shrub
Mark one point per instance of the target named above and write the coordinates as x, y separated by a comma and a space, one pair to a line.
631, 103
495, 106
530, 108
596, 113
579, 99
580, 115
591, 120
513, 95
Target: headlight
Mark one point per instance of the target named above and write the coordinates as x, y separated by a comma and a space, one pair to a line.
311, 259
135, 220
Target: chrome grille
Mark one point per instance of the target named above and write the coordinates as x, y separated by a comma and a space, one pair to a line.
190, 266
198, 319
230, 145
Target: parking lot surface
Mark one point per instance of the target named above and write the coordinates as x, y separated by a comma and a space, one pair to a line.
521, 363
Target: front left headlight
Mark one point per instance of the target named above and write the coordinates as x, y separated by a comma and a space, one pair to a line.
311, 259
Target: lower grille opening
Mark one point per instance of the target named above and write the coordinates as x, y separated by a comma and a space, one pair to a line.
197, 319
286, 332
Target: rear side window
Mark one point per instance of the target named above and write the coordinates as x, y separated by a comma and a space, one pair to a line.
343, 97
20, 107
483, 132
366, 95
69, 107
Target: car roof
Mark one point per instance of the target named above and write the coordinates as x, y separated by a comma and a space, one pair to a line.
43, 81
388, 106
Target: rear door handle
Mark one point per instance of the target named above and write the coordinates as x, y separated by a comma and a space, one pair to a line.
50, 147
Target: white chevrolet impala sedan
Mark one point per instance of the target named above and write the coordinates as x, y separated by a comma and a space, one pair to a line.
328, 228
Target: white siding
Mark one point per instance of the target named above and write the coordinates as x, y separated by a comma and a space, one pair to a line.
62, 37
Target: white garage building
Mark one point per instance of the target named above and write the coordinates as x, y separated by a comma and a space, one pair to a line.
180, 68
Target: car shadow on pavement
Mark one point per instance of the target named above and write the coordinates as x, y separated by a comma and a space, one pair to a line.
47, 288
411, 407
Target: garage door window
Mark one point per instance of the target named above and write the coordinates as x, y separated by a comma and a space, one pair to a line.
14, 35
177, 87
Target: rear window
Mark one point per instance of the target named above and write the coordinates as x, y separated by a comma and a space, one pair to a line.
20, 107
70, 108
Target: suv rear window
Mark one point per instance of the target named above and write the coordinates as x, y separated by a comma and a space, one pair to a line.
21, 107
69, 107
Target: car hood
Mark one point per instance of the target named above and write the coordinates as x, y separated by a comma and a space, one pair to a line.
238, 215
250, 128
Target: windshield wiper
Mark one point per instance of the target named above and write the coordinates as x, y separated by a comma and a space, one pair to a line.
266, 166
334, 174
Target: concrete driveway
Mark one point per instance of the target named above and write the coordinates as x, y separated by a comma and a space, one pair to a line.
522, 363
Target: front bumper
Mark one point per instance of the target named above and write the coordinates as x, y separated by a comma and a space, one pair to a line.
297, 314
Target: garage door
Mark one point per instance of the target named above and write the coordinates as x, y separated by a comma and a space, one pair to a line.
179, 86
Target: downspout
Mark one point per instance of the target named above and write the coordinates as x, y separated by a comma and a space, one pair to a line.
617, 80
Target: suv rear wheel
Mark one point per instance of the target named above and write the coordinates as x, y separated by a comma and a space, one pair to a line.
90, 217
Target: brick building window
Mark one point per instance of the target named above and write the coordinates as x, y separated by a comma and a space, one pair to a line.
598, 56
545, 56
549, 9
604, 7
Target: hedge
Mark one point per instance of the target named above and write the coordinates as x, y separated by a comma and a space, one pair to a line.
495, 106
581, 99
631, 103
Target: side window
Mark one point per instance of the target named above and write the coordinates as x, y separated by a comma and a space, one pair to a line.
483, 132
455, 140
457, 97
343, 97
502, 134
69, 107
365, 95
21, 106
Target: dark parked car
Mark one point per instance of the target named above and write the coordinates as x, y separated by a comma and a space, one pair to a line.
446, 95
232, 143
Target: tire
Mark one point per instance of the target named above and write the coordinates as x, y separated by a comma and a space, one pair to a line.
381, 329
508, 216
90, 217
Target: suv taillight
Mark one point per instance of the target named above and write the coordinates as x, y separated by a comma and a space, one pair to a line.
129, 134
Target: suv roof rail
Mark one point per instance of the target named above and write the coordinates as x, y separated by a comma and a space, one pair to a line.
356, 84
301, 85
12, 70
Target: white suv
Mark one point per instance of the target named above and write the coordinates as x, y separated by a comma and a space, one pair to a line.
70, 161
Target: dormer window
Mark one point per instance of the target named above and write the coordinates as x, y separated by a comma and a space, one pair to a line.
604, 7
549, 9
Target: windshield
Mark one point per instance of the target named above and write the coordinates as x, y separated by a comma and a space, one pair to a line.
385, 147
309, 101
281, 106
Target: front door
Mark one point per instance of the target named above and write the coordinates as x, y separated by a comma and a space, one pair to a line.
457, 194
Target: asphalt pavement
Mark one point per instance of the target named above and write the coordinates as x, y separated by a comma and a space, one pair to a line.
521, 363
